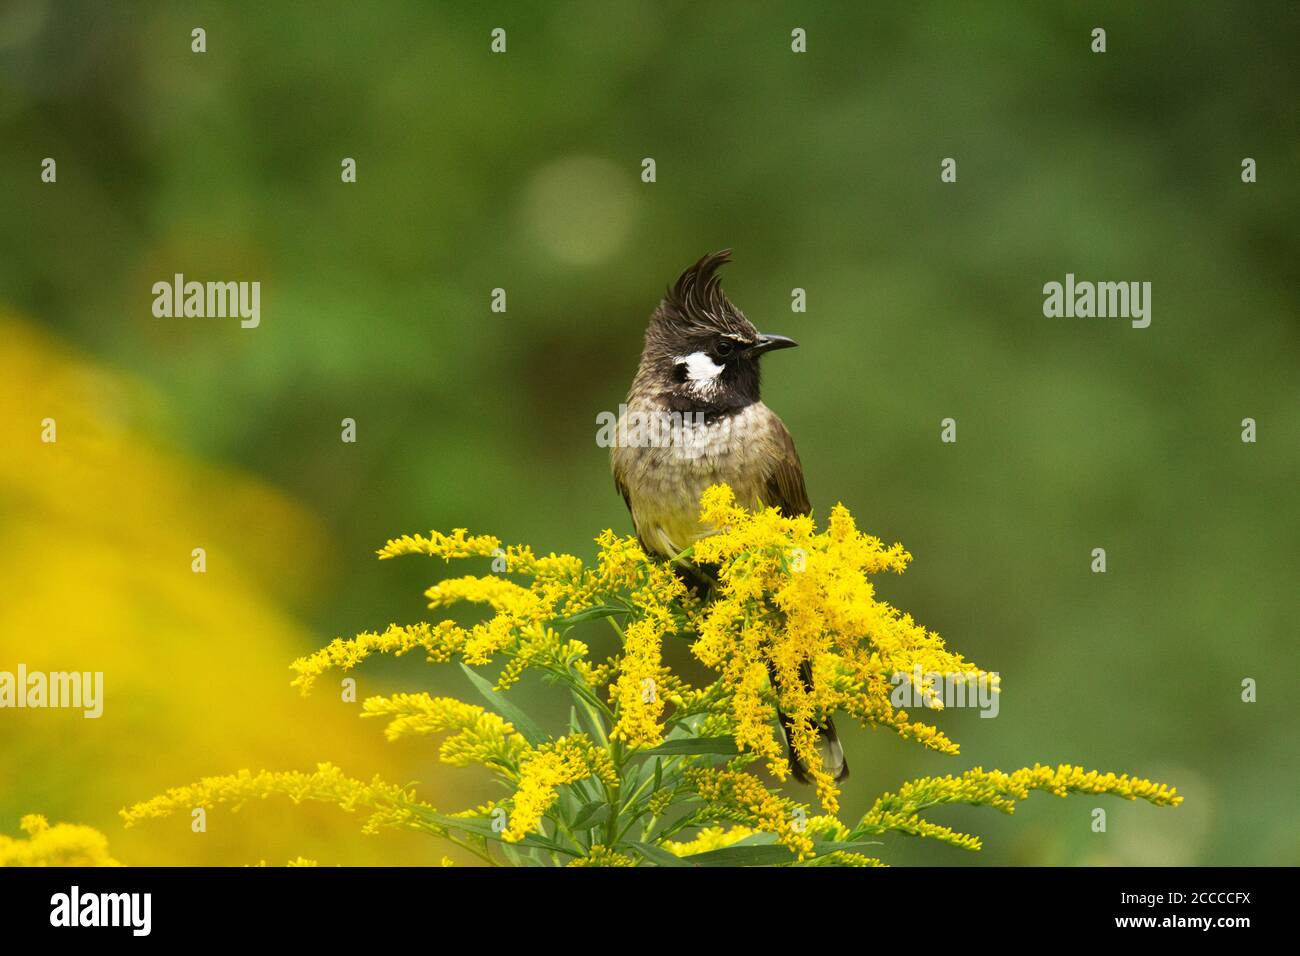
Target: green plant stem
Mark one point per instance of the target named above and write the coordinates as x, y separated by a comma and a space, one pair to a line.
689, 820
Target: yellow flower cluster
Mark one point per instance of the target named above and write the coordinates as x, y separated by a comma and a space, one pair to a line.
796, 611
708, 838
601, 855
391, 806
638, 691
437, 641
481, 737
458, 544
794, 623
521, 625
821, 827
742, 797
901, 811
545, 770
798, 623
64, 844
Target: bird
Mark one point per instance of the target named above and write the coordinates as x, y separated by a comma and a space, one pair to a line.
699, 374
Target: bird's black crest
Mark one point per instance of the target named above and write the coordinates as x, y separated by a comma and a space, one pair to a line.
696, 300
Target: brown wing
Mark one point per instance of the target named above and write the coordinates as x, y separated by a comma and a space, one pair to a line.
622, 490
627, 500
785, 487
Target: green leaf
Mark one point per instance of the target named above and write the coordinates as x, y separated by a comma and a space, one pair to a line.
512, 855
589, 717
658, 855
593, 814
497, 701
771, 854
590, 614
483, 827
692, 745
568, 801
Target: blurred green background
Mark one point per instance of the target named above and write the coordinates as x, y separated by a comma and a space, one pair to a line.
522, 171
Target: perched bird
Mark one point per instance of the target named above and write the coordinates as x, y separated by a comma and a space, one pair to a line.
699, 373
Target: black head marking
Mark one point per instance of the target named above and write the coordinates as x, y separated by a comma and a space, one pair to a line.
695, 316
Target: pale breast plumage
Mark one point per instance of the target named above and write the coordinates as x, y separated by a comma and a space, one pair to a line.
663, 479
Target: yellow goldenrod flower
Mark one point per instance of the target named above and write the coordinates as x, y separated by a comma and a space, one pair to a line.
794, 624
709, 838
637, 692
601, 855
438, 641
544, 770
391, 806
458, 544
742, 797
794, 602
994, 788
482, 738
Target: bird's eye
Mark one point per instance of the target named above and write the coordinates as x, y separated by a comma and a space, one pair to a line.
724, 347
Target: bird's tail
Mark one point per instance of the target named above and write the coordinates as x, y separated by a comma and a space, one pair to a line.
828, 748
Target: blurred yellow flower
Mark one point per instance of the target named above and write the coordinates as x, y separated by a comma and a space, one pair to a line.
64, 844
97, 530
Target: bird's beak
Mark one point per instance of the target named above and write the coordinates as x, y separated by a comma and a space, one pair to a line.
770, 343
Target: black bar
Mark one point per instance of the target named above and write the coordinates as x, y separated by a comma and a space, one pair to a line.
445, 905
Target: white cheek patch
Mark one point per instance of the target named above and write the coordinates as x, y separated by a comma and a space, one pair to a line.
700, 369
